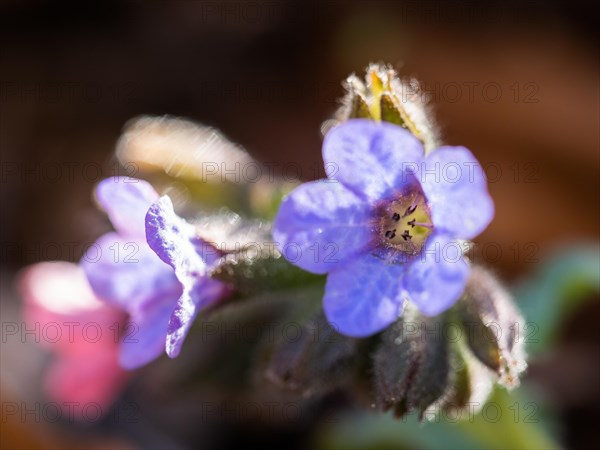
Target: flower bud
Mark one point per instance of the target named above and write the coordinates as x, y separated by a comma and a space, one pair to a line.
312, 358
494, 326
450, 362
383, 96
412, 363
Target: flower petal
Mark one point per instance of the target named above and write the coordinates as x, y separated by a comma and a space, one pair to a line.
81, 379
321, 224
371, 158
436, 279
127, 273
59, 288
175, 241
126, 201
456, 189
364, 296
145, 334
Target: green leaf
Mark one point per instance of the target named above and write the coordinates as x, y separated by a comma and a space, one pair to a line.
249, 273
565, 281
473, 431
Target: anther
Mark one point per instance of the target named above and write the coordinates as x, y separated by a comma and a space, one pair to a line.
406, 235
413, 223
410, 210
390, 234
396, 217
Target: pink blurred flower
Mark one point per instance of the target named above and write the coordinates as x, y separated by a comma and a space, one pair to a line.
80, 330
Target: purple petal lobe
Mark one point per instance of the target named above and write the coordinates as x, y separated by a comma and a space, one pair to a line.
144, 335
436, 279
456, 189
175, 241
126, 273
321, 224
364, 296
126, 201
371, 158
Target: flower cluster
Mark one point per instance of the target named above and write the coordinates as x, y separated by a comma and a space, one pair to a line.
388, 227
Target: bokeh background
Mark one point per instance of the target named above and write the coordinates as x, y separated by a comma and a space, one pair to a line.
516, 82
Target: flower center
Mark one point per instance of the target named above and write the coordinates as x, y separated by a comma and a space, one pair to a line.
405, 223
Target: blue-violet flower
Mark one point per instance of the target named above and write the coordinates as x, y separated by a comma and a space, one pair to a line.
127, 269
387, 225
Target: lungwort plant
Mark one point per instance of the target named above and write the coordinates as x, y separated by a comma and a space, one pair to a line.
359, 282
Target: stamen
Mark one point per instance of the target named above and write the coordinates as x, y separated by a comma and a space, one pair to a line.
390, 234
414, 223
406, 235
396, 217
411, 209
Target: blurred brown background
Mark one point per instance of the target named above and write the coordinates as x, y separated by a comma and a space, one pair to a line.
516, 82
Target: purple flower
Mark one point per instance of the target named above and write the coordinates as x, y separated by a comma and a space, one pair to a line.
127, 269
386, 225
